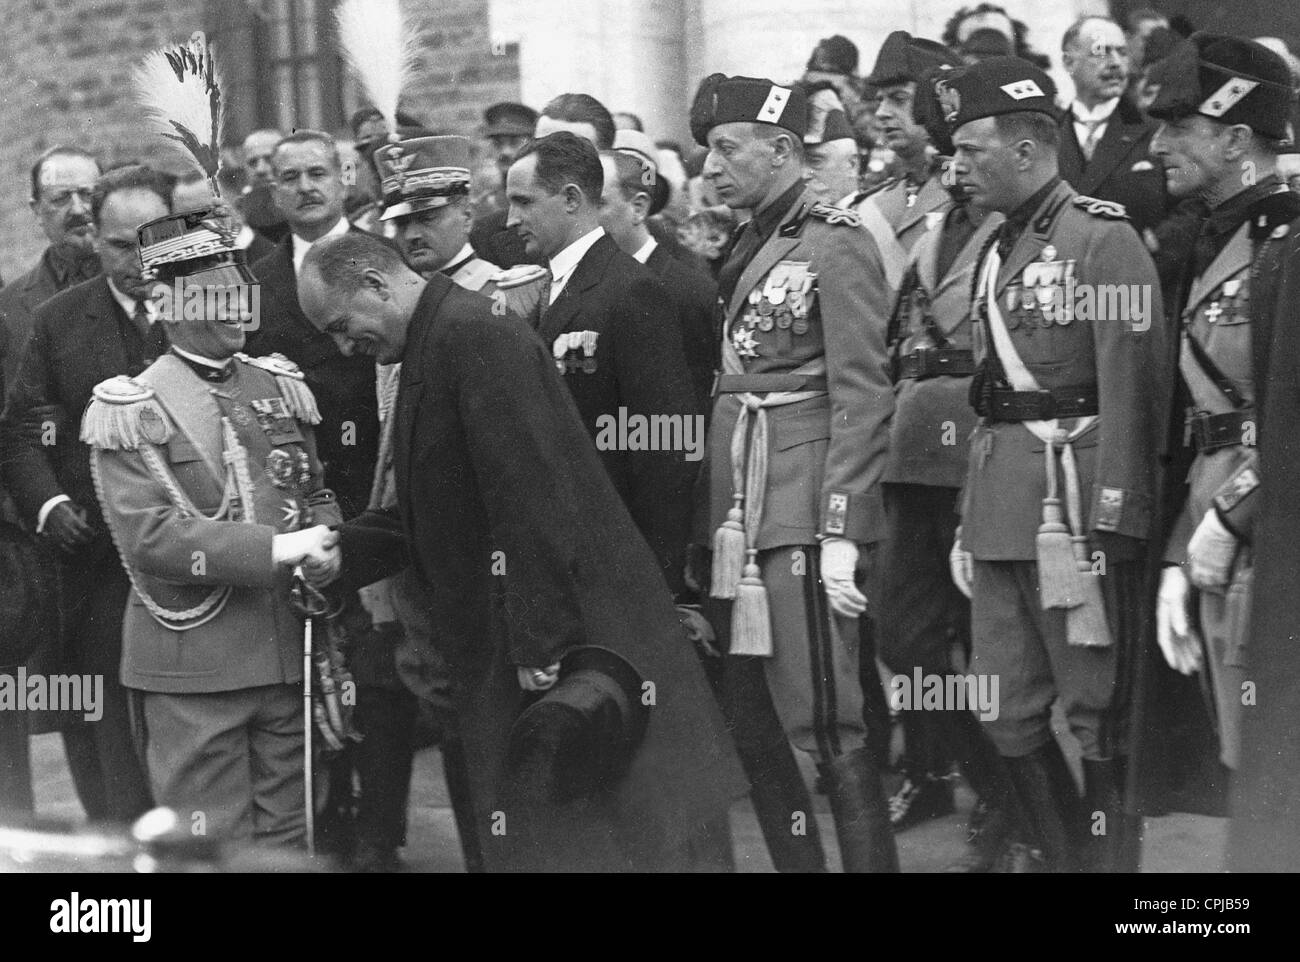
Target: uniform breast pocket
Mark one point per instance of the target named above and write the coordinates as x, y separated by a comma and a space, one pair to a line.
796, 466
193, 474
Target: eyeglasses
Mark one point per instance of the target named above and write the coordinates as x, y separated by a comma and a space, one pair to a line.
1101, 52
63, 196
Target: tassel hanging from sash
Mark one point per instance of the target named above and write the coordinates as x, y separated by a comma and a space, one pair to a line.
1085, 624
751, 619
1058, 575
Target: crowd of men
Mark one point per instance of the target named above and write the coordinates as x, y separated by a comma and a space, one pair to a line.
955, 379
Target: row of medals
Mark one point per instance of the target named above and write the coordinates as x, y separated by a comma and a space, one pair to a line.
1226, 302
782, 302
1043, 287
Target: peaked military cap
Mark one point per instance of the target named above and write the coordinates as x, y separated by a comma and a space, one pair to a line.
194, 242
725, 100
904, 58
999, 85
421, 173
1228, 79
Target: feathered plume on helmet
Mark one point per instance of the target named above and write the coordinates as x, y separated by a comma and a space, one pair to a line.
180, 90
381, 46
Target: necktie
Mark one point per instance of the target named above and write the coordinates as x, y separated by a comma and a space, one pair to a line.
748, 241
543, 302
1089, 144
155, 336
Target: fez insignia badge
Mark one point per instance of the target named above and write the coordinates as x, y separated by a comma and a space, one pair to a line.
1022, 89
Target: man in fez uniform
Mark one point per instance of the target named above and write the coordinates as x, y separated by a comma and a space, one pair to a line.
534, 579
1208, 564
797, 449
1070, 392
206, 470
922, 614
1223, 104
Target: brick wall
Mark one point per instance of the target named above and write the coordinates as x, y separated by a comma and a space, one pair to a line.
65, 64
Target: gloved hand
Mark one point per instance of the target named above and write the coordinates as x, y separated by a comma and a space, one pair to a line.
1178, 642
839, 561
962, 566
1211, 551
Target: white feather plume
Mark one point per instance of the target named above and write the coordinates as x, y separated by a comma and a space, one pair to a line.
381, 46
180, 90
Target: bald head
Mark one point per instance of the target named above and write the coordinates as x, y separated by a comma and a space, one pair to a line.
831, 169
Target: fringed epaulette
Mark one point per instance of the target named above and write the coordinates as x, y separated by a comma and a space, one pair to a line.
123, 414
292, 384
835, 215
1101, 208
517, 276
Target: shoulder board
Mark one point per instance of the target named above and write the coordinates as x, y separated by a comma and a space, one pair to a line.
277, 364
123, 414
292, 384
517, 276
1101, 208
835, 215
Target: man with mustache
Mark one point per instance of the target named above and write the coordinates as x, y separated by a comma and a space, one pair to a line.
1104, 137
62, 179
309, 192
98, 329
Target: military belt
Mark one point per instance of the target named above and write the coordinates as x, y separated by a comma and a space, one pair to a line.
764, 383
936, 362
1210, 432
1005, 404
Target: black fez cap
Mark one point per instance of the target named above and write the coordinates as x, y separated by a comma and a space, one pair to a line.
1159, 44
833, 125
508, 119
999, 85
835, 54
724, 100
1228, 79
906, 58
987, 42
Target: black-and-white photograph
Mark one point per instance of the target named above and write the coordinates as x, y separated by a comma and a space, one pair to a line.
650, 436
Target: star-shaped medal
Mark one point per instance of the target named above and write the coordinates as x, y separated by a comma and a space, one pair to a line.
743, 339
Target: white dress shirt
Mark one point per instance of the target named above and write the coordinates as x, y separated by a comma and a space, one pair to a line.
1091, 124
566, 261
646, 249
301, 247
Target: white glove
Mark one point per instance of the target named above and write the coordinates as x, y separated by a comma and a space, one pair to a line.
839, 560
315, 545
962, 566
1211, 551
1178, 642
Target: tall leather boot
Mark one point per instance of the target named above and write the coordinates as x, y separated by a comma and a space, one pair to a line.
1114, 839
1046, 793
861, 813
986, 771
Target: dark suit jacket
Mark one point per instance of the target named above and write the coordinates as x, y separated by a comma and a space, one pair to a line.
80, 337
695, 296
640, 367
347, 439
527, 552
18, 304
1121, 169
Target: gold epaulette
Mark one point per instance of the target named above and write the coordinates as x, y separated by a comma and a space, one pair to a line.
292, 384
123, 414
1101, 208
517, 276
835, 215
